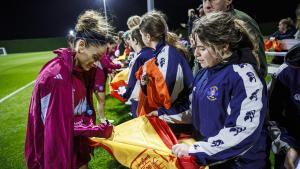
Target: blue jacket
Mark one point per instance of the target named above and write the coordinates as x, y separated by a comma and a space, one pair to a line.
132, 89
179, 79
168, 70
229, 103
285, 102
288, 35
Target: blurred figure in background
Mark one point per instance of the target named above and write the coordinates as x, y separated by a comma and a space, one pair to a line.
133, 21
284, 111
141, 55
286, 30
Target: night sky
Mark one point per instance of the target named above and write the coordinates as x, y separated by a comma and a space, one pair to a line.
53, 18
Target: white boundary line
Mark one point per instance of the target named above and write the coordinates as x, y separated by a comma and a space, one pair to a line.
15, 92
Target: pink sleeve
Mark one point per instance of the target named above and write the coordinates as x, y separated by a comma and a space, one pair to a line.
102, 130
99, 85
107, 63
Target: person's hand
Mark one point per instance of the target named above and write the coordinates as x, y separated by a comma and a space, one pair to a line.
153, 113
180, 150
272, 38
290, 159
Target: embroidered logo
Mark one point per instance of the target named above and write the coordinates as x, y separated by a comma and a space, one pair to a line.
212, 93
162, 62
254, 95
297, 96
217, 143
251, 76
237, 130
249, 115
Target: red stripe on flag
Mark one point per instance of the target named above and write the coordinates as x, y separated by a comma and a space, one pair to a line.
164, 131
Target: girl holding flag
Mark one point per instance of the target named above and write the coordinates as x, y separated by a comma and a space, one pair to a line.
61, 114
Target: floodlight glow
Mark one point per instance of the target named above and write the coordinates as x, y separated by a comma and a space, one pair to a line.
71, 32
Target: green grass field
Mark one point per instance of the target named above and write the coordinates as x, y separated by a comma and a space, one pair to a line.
17, 70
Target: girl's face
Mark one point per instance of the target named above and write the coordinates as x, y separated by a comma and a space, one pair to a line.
87, 56
111, 46
146, 38
282, 27
206, 56
130, 41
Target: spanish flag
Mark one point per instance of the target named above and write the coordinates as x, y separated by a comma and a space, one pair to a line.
144, 142
118, 81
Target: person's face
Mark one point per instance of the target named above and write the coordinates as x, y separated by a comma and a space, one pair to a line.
281, 27
146, 38
111, 46
215, 5
132, 43
87, 56
206, 56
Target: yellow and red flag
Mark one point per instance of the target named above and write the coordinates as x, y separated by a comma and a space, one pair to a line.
118, 81
144, 143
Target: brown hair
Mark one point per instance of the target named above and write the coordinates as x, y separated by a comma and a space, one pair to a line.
154, 23
92, 27
220, 28
133, 21
135, 34
288, 22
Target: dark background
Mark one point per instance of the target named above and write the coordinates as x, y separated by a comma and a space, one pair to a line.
54, 18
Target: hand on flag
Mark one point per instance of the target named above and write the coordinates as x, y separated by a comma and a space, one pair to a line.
153, 113
180, 150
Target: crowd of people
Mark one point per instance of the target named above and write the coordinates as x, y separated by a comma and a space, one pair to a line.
222, 101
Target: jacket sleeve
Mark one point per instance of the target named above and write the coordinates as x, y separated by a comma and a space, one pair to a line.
132, 78
102, 130
243, 124
57, 116
182, 102
99, 85
278, 98
108, 64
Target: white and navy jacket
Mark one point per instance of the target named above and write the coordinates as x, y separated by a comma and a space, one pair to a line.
178, 77
132, 90
229, 103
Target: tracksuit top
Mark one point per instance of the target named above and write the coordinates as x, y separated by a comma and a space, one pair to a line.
132, 90
285, 101
166, 82
229, 103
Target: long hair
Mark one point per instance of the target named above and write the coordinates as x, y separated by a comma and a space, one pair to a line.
221, 28
154, 23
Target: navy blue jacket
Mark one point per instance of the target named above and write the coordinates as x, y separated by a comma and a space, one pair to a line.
284, 108
139, 60
229, 103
